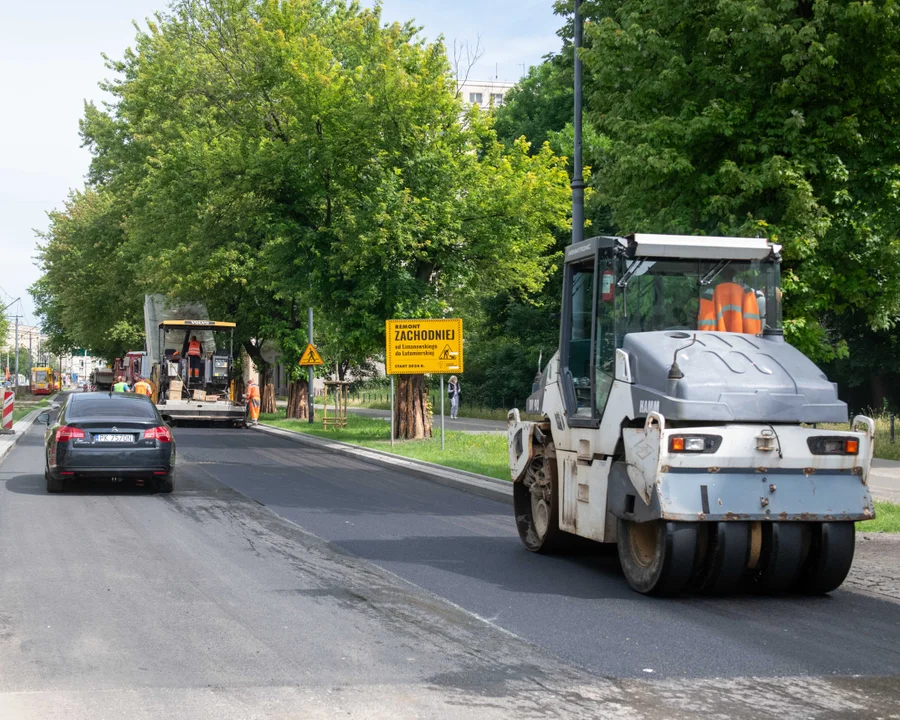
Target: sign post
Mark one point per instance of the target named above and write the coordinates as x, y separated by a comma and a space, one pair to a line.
312, 374
418, 347
310, 358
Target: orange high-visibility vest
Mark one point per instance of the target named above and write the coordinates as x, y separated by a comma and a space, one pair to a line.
194, 348
142, 388
752, 320
729, 301
253, 392
706, 318
732, 309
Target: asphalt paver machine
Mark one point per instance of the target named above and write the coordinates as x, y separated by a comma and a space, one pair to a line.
675, 421
195, 386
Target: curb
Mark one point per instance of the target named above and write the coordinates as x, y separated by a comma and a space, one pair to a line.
474, 483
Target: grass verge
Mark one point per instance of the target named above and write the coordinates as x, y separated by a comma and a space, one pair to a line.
25, 406
477, 453
887, 519
475, 412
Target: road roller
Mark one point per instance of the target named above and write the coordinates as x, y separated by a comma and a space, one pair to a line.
675, 421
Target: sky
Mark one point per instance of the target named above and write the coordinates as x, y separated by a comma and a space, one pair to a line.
50, 63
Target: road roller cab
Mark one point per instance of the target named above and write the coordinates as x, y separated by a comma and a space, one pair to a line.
676, 421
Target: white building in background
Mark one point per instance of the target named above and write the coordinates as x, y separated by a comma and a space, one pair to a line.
484, 93
80, 366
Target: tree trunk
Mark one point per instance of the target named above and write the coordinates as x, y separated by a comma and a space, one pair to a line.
298, 400
412, 416
268, 399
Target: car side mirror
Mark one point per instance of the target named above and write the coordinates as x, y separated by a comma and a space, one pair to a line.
44, 418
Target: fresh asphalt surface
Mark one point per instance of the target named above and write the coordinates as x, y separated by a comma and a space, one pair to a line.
465, 548
116, 602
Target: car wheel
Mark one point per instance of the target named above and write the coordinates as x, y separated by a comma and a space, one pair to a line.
165, 486
54, 485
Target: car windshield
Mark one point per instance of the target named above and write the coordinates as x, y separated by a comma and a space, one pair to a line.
727, 295
118, 405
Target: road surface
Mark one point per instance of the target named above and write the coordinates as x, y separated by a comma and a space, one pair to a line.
884, 480
281, 581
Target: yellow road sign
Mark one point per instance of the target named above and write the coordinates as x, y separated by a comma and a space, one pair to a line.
310, 356
415, 347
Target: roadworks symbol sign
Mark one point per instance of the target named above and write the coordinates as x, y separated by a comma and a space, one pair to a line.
310, 356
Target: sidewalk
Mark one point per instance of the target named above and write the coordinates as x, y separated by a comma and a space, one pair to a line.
8, 442
468, 425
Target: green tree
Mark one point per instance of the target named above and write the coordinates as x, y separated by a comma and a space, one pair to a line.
262, 156
541, 103
87, 295
772, 118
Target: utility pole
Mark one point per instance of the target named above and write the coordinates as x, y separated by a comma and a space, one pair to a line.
30, 362
577, 179
312, 371
5, 308
17, 353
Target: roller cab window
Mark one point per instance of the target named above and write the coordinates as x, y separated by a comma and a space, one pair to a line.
741, 296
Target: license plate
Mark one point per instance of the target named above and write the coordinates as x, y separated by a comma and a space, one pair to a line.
115, 438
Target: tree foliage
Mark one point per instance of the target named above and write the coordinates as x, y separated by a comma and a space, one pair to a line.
772, 117
87, 294
262, 156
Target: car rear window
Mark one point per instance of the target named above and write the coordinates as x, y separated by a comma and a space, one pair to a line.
123, 406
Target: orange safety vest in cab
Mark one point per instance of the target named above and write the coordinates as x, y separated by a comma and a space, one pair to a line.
731, 309
194, 348
706, 318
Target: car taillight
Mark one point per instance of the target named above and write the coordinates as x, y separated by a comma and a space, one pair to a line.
66, 433
160, 433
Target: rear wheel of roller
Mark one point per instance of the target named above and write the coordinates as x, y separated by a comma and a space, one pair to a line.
726, 558
657, 557
536, 504
785, 546
832, 545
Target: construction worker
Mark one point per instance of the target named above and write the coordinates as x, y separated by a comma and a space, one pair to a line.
194, 352
730, 308
120, 386
254, 402
142, 387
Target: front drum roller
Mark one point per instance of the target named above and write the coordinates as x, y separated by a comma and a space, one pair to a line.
657, 557
536, 504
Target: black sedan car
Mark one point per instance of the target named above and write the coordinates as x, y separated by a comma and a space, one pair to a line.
108, 435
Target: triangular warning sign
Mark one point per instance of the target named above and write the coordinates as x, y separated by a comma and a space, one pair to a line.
447, 353
310, 356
